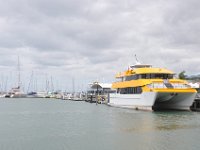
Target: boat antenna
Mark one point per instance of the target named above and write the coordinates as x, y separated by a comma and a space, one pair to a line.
136, 59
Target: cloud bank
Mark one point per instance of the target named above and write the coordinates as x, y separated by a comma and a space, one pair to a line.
87, 40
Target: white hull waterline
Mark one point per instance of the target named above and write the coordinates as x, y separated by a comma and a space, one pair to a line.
153, 101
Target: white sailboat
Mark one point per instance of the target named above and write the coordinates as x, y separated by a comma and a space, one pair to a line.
16, 92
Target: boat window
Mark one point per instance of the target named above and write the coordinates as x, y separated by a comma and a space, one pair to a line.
170, 76
121, 79
138, 90
130, 90
165, 76
132, 77
144, 76
155, 76
152, 76
148, 76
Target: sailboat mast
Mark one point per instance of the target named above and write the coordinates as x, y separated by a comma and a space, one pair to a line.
52, 86
19, 79
30, 82
73, 86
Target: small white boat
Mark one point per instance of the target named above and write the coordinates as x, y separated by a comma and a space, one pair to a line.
17, 93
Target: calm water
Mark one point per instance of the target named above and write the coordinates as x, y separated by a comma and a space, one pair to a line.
41, 124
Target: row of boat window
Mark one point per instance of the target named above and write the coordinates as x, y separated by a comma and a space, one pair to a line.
130, 90
149, 76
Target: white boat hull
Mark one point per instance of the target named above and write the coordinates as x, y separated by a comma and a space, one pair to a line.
18, 96
153, 100
176, 101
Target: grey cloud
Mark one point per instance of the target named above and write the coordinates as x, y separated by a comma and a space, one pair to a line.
90, 39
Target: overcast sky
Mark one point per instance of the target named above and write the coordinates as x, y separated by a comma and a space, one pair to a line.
89, 40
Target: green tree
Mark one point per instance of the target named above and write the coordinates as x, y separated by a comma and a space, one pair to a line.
182, 75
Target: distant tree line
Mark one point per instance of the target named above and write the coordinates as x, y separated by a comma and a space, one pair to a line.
183, 76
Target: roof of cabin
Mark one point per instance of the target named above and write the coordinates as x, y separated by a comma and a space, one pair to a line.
144, 71
100, 85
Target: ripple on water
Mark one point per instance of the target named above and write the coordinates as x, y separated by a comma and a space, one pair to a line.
45, 124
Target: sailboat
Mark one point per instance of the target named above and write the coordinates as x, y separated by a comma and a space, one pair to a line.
16, 92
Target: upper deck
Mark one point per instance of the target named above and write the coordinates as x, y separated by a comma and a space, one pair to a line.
143, 69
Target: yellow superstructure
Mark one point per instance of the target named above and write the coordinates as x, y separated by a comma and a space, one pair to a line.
143, 71
150, 79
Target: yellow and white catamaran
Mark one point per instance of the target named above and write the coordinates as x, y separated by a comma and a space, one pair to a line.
147, 88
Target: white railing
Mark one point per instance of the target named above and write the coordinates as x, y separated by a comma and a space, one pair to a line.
163, 86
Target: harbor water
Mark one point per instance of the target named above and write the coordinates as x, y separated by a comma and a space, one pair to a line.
48, 124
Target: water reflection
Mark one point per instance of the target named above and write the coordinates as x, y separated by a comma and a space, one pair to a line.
160, 130
173, 120
159, 121
176, 127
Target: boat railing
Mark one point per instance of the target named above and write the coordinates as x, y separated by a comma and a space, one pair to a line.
159, 85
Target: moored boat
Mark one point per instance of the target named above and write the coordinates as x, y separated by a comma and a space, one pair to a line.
147, 88
17, 93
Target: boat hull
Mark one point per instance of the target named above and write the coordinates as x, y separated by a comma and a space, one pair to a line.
175, 101
18, 96
143, 101
153, 101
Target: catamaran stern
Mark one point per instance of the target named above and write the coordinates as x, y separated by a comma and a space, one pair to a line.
174, 101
